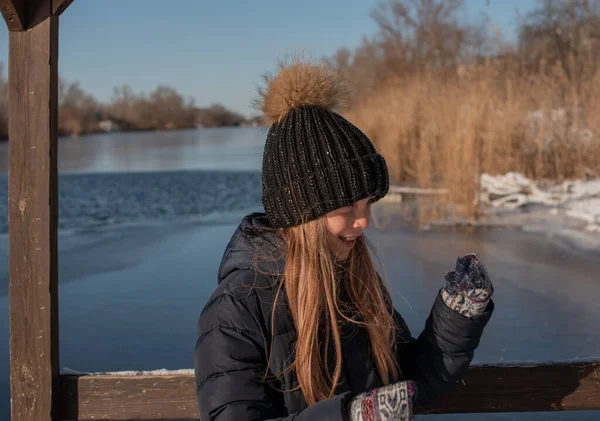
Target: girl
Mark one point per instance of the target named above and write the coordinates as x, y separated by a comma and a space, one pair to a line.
301, 327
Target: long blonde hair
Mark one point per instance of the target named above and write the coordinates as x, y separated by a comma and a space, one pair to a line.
313, 291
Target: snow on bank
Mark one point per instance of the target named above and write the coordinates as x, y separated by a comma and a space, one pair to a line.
190, 371
158, 372
587, 210
577, 199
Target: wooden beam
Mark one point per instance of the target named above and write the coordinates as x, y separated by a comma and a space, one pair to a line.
37, 12
101, 397
21, 15
13, 12
33, 217
59, 6
561, 387
486, 389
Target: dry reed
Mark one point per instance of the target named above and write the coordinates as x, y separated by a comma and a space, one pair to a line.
443, 132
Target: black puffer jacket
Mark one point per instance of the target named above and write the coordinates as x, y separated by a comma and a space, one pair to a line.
234, 338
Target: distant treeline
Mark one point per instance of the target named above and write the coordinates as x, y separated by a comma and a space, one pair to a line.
162, 109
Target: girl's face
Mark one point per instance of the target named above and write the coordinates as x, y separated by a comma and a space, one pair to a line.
346, 224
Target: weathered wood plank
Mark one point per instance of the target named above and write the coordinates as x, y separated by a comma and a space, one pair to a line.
59, 6
524, 389
33, 212
99, 397
13, 12
486, 389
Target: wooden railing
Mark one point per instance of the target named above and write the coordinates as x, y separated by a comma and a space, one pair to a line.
523, 388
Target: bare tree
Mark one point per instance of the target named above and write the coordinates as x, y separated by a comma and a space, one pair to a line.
78, 112
163, 109
218, 116
169, 110
414, 36
421, 33
563, 35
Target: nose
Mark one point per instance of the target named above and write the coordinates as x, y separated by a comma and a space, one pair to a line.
362, 219
362, 223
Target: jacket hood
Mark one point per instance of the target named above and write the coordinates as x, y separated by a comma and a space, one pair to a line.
254, 237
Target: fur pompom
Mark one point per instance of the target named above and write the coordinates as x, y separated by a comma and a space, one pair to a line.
297, 85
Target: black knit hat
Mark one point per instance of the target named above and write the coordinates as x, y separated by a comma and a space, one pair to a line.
314, 161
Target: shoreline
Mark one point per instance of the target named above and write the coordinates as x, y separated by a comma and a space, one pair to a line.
564, 231
96, 201
571, 234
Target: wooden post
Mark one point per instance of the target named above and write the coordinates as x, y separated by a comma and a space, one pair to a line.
33, 215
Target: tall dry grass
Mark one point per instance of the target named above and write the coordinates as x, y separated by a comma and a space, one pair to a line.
444, 131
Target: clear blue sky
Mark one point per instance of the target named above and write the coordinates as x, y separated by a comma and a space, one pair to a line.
213, 51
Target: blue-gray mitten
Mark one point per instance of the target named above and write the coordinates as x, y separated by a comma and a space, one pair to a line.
468, 287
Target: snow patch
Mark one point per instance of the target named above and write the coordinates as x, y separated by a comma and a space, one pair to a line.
158, 372
529, 363
578, 199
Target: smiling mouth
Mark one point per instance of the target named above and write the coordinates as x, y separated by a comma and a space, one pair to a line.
348, 241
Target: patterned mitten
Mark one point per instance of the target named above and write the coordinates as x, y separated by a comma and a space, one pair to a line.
468, 287
387, 403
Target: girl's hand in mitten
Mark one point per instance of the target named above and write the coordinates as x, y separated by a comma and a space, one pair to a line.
468, 287
387, 403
